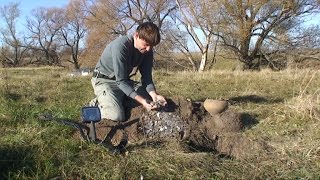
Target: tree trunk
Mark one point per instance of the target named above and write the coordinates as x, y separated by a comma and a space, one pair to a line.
204, 58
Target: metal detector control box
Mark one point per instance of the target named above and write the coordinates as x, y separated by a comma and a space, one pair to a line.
92, 115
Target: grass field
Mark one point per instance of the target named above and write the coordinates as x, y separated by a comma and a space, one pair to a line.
285, 104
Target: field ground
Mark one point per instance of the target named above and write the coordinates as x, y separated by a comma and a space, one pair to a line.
285, 104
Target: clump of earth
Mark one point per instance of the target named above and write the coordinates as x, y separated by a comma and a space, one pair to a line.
187, 122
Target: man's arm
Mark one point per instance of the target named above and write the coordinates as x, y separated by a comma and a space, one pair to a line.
147, 81
145, 70
121, 53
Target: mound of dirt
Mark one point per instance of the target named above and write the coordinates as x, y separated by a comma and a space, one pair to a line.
188, 122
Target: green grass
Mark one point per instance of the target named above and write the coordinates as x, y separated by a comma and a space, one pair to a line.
286, 105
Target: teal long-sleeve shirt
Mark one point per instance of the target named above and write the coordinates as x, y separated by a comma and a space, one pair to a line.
121, 60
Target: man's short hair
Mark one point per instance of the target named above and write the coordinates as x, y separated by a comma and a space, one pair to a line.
149, 32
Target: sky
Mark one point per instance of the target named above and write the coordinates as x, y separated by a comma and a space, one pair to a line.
26, 6
313, 19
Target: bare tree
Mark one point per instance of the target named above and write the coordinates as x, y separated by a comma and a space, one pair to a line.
139, 11
111, 18
248, 25
99, 22
73, 30
129, 13
197, 22
43, 27
157, 11
304, 48
12, 50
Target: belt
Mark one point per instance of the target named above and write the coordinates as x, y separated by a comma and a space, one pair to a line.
99, 75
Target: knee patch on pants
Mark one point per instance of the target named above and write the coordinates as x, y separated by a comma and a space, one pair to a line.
112, 112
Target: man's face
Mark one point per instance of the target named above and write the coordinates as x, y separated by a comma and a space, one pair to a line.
141, 44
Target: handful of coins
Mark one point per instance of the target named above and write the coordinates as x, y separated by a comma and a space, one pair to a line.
157, 104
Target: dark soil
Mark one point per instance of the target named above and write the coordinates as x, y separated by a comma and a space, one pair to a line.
221, 133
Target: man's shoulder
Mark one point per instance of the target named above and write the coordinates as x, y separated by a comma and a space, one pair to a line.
122, 41
121, 45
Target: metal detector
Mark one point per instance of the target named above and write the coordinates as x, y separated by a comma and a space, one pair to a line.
91, 115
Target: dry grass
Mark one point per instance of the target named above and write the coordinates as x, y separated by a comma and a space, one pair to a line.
285, 105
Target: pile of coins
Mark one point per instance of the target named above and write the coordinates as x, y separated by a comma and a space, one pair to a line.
161, 124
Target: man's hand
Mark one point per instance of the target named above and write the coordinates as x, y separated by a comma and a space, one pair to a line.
149, 105
158, 98
145, 103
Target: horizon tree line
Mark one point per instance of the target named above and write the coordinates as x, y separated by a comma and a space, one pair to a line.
195, 34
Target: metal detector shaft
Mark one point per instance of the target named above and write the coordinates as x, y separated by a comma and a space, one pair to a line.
92, 132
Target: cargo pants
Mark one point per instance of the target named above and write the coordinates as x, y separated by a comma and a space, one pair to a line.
111, 100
